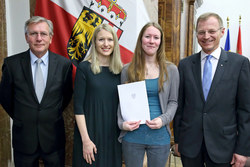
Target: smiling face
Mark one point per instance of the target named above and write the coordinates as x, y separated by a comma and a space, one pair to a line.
209, 34
151, 40
104, 43
38, 38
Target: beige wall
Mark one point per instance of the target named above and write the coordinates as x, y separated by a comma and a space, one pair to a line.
152, 9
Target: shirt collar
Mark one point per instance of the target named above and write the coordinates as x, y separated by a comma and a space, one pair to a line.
33, 58
216, 54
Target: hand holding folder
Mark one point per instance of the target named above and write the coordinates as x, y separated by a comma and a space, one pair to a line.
134, 101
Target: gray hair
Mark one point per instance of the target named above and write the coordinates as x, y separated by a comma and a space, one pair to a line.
38, 19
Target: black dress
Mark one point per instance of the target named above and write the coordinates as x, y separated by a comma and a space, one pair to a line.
96, 97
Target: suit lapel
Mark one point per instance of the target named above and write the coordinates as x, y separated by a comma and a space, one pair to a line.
222, 65
196, 68
51, 72
26, 66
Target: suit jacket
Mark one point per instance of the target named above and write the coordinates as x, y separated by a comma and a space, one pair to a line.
223, 120
36, 124
168, 97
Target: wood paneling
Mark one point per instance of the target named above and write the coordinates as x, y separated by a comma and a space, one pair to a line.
190, 29
5, 139
32, 7
3, 39
169, 12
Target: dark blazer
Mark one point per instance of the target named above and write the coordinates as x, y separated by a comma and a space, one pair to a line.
223, 120
33, 123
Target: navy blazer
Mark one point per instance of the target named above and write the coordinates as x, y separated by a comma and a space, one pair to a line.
223, 121
33, 123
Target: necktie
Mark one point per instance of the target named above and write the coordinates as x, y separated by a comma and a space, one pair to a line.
207, 76
39, 82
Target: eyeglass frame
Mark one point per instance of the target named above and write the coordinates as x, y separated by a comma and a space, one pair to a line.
35, 34
210, 32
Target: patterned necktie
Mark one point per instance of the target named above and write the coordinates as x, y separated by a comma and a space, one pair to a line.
207, 76
39, 82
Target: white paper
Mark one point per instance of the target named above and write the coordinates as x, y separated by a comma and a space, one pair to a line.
134, 101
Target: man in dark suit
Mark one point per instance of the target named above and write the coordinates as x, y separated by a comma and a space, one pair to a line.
35, 100
211, 125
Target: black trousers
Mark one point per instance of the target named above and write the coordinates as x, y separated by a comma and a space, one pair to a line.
201, 160
53, 159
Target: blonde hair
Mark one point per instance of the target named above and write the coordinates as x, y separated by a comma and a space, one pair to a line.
136, 69
115, 65
206, 16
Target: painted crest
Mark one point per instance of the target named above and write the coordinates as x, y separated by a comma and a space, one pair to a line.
82, 32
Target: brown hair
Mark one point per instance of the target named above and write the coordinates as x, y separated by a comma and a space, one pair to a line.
136, 69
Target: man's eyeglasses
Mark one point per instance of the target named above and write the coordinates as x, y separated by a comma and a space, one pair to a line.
210, 32
35, 34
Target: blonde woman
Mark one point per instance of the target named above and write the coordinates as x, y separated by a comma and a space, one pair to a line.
96, 102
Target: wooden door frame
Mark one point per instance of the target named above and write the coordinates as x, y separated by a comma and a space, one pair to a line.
169, 14
189, 49
5, 132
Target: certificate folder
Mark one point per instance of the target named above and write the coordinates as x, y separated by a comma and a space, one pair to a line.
134, 101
